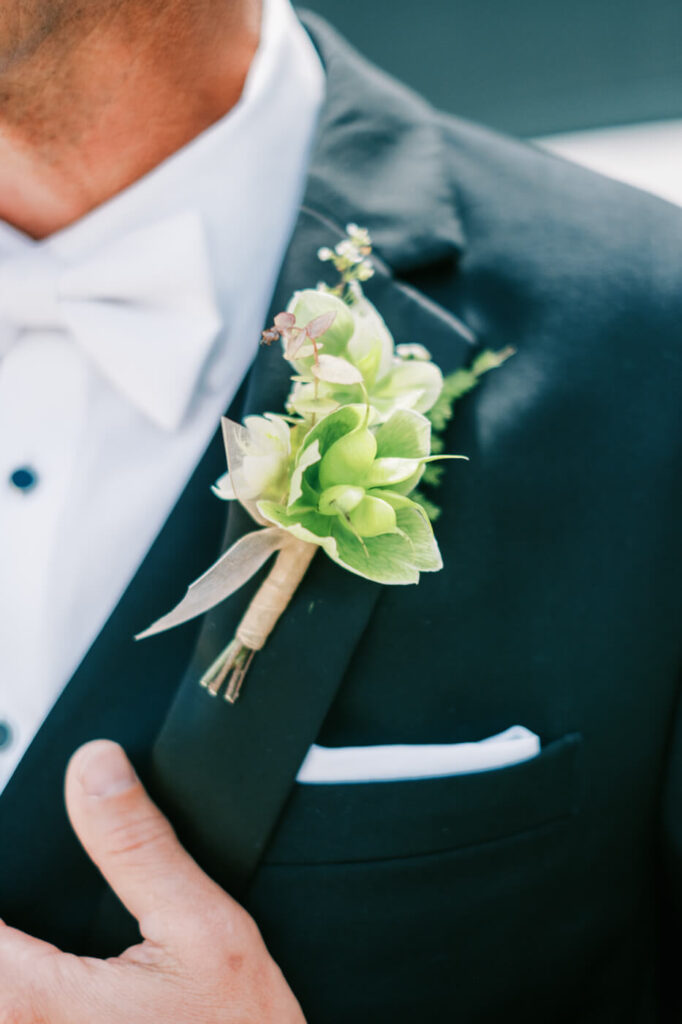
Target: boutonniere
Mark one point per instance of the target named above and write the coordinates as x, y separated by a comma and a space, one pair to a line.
339, 469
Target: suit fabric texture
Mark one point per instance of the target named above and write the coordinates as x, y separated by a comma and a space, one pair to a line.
546, 889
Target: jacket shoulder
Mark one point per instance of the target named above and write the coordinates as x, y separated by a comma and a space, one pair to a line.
566, 231
560, 206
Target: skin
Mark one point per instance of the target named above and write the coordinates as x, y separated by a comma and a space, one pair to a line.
95, 93
202, 960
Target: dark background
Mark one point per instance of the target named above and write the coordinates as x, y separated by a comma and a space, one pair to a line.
530, 66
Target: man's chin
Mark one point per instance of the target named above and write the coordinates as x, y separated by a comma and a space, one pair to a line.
25, 25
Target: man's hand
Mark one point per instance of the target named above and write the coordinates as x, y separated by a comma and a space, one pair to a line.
202, 961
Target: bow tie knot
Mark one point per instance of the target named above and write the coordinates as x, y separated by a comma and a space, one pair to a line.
143, 309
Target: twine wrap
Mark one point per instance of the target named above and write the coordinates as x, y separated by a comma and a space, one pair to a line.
275, 593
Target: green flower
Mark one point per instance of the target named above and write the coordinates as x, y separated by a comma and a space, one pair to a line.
349, 492
374, 370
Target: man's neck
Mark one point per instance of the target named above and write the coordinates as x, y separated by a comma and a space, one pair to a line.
107, 96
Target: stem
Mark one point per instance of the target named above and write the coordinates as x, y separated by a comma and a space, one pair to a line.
259, 620
275, 593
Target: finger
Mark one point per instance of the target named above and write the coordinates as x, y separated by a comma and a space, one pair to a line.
132, 843
16, 947
27, 970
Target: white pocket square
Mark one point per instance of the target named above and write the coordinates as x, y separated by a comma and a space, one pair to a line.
417, 761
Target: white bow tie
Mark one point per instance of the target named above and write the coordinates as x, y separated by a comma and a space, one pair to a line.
143, 309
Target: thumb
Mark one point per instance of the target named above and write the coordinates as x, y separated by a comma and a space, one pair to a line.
131, 842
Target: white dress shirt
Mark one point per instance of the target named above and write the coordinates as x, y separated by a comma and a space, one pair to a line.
93, 455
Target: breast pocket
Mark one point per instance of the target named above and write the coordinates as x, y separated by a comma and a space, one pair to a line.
340, 823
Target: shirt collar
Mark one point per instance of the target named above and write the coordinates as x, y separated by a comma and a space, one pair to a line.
243, 177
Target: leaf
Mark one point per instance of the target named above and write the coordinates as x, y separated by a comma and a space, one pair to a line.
460, 382
336, 370
406, 434
319, 324
433, 475
309, 304
294, 342
305, 403
284, 321
490, 360
454, 386
306, 350
227, 575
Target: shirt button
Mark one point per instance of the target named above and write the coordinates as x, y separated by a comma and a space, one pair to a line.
24, 478
5, 735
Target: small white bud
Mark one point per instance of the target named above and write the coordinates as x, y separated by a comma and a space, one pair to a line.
413, 352
359, 236
347, 251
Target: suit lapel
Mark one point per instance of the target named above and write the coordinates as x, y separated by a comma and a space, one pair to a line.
223, 772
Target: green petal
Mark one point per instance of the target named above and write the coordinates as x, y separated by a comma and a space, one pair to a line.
334, 426
373, 517
384, 559
415, 524
336, 370
388, 472
371, 346
421, 381
308, 458
394, 499
406, 434
391, 558
307, 525
405, 486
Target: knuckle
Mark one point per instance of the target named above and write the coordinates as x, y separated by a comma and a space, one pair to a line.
212, 938
231, 928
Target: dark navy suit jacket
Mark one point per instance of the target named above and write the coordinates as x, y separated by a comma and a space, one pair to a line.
546, 891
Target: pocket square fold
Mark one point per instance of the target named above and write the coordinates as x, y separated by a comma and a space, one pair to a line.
397, 762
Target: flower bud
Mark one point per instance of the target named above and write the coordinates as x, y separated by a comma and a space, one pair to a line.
340, 499
372, 517
349, 459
